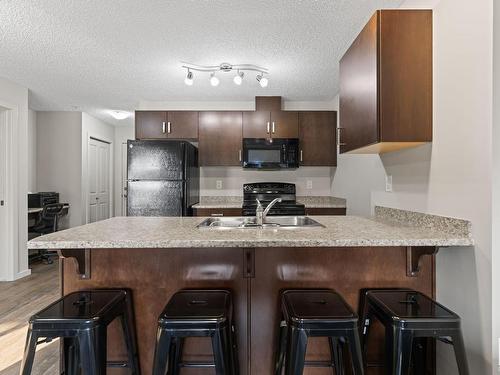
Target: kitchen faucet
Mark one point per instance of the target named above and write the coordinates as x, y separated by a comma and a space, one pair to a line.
261, 214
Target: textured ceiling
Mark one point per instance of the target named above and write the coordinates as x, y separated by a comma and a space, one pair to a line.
96, 55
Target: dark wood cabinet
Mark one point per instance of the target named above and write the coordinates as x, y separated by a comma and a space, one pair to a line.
166, 125
220, 138
386, 84
325, 211
218, 212
275, 124
151, 124
317, 133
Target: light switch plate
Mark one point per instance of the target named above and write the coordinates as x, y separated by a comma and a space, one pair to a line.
218, 184
388, 183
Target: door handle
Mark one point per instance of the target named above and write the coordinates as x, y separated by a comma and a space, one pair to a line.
163, 127
268, 127
273, 127
239, 154
339, 143
216, 215
301, 155
168, 127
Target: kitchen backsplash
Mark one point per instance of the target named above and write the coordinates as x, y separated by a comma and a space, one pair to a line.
309, 180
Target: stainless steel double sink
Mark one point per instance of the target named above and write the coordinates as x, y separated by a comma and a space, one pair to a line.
272, 222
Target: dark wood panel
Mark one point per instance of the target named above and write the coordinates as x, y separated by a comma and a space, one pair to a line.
358, 113
405, 75
325, 211
220, 138
317, 133
218, 212
346, 270
268, 103
154, 275
150, 124
183, 124
286, 124
256, 124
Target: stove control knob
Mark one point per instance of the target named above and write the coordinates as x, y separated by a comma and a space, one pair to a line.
248, 187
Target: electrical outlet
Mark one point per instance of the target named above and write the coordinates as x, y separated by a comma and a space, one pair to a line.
388, 183
309, 184
218, 184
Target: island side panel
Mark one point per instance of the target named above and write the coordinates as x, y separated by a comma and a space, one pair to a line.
154, 275
346, 270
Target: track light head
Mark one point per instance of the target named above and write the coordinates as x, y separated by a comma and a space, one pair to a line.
214, 81
263, 81
238, 78
189, 78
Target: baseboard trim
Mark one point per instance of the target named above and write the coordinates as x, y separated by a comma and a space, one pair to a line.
22, 274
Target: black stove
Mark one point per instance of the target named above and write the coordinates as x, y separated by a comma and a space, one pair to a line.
265, 192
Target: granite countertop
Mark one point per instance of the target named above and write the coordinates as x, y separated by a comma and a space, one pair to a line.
237, 202
389, 227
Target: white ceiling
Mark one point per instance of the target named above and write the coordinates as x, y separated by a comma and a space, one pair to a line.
96, 55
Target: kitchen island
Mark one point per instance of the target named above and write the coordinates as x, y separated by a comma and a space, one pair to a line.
155, 257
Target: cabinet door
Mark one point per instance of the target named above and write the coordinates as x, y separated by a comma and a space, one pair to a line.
358, 91
150, 124
317, 132
182, 125
218, 212
257, 124
220, 138
284, 124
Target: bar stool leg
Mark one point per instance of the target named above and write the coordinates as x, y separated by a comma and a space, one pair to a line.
420, 355
356, 353
127, 323
220, 344
176, 355
280, 352
296, 351
29, 352
460, 355
70, 356
233, 350
162, 352
398, 351
92, 345
337, 356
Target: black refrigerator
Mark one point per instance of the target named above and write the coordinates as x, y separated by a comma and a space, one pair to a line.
163, 178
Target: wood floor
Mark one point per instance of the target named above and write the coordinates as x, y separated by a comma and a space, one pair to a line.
18, 301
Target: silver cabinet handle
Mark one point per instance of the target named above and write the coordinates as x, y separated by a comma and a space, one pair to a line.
273, 127
163, 127
168, 127
216, 215
338, 137
301, 155
239, 154
268, 127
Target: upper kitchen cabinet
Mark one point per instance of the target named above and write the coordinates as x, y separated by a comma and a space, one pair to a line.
166, 125
317, 133
220, 136
386, 84
274, 124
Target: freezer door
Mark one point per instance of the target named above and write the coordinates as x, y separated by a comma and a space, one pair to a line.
155, 160
155, 198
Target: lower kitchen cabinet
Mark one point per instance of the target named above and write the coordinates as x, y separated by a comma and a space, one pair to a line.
325, 211
220, 138
218, 212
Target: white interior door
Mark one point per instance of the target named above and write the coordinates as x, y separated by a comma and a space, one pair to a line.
124, 180
98, 177
3, 182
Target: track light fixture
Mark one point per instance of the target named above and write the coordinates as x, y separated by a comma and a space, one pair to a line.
226, 67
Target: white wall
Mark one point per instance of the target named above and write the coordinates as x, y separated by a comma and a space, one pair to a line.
452, 176
32, 151
13, 96
122, 134
97, 129
59, 160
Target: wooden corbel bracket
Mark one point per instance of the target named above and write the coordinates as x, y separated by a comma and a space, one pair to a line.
413, 255
82, 259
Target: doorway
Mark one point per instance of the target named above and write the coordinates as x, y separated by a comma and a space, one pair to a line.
98, 180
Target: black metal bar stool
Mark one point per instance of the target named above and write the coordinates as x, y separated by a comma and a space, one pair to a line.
81, 320
409, 315
316, 313
196, 313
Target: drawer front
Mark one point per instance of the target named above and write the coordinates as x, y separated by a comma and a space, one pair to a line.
218, 212
325, 211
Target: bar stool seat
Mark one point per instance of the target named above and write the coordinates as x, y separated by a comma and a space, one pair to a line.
81, 320
196, 313
408, 315
316, 313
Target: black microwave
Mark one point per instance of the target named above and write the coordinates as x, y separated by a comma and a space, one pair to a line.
262, 153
